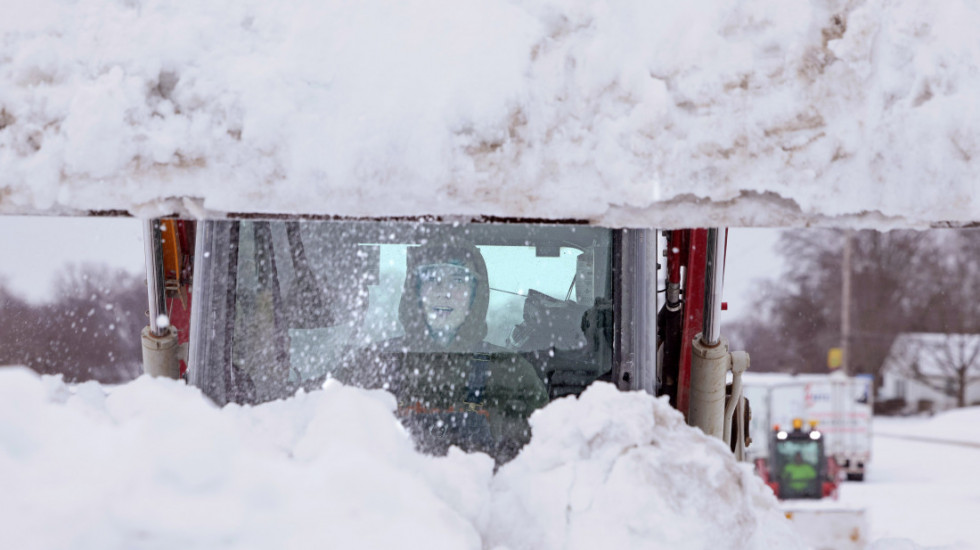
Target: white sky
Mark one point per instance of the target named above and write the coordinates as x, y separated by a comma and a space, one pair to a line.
33, 250
751, 256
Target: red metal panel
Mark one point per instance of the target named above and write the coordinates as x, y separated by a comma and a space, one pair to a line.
180, 318
675, 255
696, 251
178, 276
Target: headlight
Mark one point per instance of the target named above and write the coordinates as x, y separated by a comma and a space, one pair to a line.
814, 435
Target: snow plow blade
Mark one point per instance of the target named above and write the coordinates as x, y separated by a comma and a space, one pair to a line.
825, 528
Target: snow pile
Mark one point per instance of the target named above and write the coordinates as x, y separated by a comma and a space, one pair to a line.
627, 112
590, 480
151, 464
154, 465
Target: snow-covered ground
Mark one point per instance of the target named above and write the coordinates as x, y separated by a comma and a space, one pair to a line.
623, 112
151, 464
920, 489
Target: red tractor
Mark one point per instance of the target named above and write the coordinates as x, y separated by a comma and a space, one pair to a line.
798, 467
804, 478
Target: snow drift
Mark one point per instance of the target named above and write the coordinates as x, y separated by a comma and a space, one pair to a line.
152, 464
615, 470
627, 113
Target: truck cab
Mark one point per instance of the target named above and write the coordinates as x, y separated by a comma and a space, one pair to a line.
282, 305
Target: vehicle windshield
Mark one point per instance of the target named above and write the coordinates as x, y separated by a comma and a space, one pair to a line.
809, 451
798, 468
470, 326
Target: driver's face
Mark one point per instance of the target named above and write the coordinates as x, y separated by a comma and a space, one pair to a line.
445, 291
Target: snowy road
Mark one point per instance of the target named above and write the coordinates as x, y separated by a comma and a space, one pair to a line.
920, 490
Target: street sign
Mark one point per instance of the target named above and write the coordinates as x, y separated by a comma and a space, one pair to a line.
835, 358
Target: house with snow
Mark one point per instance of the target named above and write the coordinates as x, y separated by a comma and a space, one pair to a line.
932, 371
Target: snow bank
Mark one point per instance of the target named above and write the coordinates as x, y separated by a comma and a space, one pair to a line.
628, 112
614, 470
152, 464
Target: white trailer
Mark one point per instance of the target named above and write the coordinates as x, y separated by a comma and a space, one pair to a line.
840, 405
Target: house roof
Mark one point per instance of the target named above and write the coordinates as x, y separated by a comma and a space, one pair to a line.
932, 353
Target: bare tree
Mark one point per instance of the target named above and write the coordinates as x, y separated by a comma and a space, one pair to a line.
805, 304
947, 363
951, 289
14, 329
90, 331
948, 360
902, 281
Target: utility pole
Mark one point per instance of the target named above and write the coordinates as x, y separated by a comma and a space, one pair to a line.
845, 307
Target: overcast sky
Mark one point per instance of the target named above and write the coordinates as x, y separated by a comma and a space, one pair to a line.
751, 256
33, 251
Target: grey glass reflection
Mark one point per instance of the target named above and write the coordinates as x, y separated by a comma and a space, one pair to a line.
524, 315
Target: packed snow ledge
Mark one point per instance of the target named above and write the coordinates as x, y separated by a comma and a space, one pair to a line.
624, 112
152, 464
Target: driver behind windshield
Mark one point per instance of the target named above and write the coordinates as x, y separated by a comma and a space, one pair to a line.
453, 388
799, 474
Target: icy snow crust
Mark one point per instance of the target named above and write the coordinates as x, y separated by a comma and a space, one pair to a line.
623, 112
152, 464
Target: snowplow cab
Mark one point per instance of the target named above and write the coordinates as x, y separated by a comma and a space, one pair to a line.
472, 325
280, 306
799, 467
301, 299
